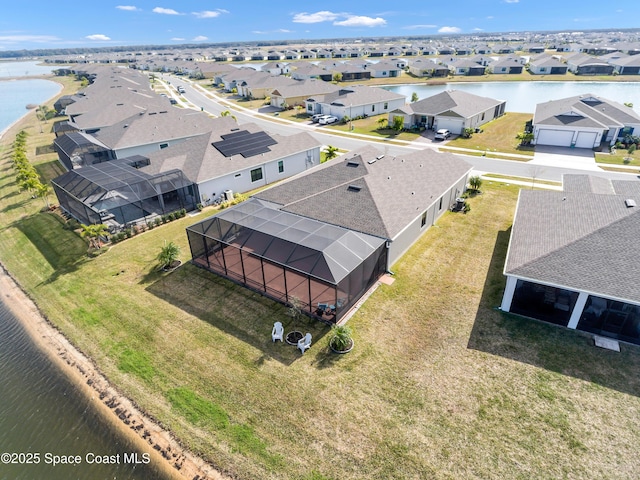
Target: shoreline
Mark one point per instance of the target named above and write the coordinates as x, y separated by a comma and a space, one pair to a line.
28, 111
147, 435
120, 411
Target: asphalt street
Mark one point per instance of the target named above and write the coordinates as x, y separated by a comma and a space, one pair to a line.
208, 101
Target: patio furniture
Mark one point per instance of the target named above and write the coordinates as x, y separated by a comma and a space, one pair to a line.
277, 332
304, 343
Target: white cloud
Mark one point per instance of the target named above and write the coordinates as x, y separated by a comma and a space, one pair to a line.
416, 27
98, 36
165, 11
284, 30
178, 39
490, 17
259, 32
449, 30
478, 29
511, 1
200, 38
209, 13
129, 8
323, 16
360, 21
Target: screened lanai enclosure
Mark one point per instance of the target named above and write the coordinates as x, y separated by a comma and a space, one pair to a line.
289, 258
117, 193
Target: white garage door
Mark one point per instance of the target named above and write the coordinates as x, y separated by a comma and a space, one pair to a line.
454, 125
559, 138
586, 139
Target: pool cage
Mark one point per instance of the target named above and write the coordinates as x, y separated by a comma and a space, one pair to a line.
289, 258
117, 193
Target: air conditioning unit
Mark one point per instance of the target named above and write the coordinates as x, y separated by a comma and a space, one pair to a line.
228, 195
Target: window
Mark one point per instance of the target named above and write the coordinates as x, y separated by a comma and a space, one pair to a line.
238, 175
256, 174
440, 204
482, 116
280, 166
423, 222
163, 145
386, 105
373, 108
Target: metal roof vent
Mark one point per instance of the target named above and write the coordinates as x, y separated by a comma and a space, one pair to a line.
353, 164
354, 188
630, 202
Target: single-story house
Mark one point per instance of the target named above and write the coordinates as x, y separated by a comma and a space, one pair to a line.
582, 64
573, 257
508, 65
463, 66
261, 86
629, 65
547, 65
428, 68
385, 69
355, 101
198, 170
583, 121
308, 71
454, 110
298, 92
326, 236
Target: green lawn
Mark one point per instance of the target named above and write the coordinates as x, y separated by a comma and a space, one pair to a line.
621, 157
499, 135
440, 384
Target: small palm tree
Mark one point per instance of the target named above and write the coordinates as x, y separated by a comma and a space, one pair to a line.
93, 233
331, 152
227, 113
381, 122
42, 191
475, 182
168, 254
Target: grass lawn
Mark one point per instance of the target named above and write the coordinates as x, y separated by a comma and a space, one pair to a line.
440, 384
498, 135
621, 157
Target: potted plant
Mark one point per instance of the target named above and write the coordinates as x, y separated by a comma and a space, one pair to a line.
341, 341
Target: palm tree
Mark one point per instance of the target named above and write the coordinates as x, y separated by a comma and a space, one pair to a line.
93, 233
414, 97
227, 113
475, 182
331, 152
381, 122
42, 191
168, 254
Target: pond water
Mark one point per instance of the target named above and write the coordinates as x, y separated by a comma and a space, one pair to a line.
523, 96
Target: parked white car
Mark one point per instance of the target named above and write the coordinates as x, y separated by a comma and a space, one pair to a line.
327, 119
442, 134
315, 118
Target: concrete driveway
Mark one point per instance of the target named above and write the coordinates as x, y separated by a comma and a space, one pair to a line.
578, 158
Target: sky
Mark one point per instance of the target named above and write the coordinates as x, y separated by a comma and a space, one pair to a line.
37, 24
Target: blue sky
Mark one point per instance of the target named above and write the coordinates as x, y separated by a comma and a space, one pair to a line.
65, 24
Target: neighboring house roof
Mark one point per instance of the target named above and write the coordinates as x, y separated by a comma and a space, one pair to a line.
358, 95
584, 111
305, 88
154, 126
200, 161
546, 61
461, 103
369, 192
580, 240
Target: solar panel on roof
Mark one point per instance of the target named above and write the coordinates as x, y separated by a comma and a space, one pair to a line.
245, 143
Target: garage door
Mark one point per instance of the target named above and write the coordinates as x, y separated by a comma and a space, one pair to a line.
559, 138
454, 125
586, 139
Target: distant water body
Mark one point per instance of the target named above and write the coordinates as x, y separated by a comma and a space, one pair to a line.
15, 95
524, 96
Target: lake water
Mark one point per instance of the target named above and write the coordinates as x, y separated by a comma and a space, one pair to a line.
15, 95
42, 412
21, 69
523, 96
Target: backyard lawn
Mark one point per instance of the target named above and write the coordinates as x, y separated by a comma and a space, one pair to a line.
440, 384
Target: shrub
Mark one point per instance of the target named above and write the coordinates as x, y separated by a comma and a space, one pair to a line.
157, 222
183, 212
200, 206
341, 337
128, 233
631, 149
171, 217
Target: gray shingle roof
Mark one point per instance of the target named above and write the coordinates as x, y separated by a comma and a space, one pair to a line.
200, 161
579, 240
380, 198
584, 110
462, 103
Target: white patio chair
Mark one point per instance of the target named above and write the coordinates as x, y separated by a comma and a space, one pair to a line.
304, 343
277, 332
